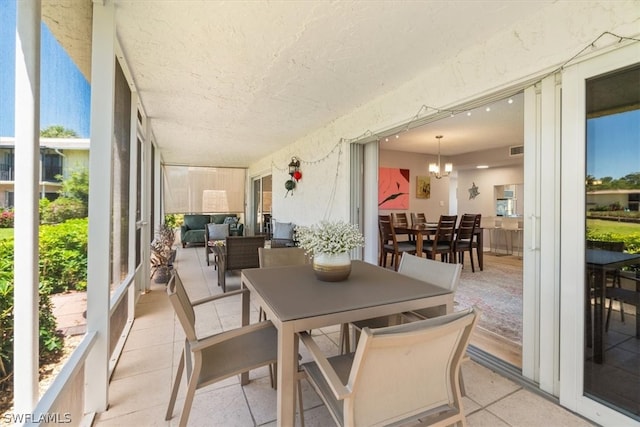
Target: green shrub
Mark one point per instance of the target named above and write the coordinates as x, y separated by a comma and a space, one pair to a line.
63, 255
6, 218
62, 209
174, 220
631, 240
51, 341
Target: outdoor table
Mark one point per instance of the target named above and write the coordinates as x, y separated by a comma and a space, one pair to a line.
295, 300
600, 262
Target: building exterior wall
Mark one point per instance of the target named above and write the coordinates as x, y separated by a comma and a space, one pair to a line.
74, 158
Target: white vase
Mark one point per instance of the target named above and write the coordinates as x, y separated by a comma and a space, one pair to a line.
332, 267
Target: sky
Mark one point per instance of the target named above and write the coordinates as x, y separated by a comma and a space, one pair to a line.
613, 147
65, 95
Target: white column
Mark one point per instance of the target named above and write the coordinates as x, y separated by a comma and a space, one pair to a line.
27, 140
147, 186
100, 161
370, 179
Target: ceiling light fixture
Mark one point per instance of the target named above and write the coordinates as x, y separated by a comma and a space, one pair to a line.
482, 167
435, 169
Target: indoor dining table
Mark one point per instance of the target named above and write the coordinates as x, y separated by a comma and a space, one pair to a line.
420, 231
295, 300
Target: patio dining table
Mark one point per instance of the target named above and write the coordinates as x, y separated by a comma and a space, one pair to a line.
295, 300
600, 261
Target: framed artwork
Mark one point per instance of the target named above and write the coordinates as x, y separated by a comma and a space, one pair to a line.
423, 187
393, 188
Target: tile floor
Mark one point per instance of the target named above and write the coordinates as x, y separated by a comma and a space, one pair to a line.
141, 383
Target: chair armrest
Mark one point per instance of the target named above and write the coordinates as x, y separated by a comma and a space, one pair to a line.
219, 296
184, 228
204, 343
340, 391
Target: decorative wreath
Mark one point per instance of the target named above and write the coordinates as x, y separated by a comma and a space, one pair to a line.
289, 185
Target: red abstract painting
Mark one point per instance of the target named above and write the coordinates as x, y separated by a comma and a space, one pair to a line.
393, 188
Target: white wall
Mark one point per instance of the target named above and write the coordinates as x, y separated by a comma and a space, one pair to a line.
418, 164
485, 179
522, 53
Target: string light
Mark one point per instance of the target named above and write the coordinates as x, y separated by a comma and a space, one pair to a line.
426, 108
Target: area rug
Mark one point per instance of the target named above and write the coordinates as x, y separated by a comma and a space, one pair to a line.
497, 291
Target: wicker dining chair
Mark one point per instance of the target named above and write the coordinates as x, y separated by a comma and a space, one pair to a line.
239, 252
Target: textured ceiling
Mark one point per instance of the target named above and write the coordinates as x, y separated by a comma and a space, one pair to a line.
225, 83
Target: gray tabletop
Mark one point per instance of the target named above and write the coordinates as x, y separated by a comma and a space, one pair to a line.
600, 257
295, 293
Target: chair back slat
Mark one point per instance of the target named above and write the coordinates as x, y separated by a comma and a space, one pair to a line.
446, 228
467, 228
400, 219
418, 218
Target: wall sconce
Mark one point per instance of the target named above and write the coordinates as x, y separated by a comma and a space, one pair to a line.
294, 169
296, 175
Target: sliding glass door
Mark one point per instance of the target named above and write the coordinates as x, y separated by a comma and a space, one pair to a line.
600, 362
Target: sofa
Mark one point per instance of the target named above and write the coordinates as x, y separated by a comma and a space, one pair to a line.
192, 229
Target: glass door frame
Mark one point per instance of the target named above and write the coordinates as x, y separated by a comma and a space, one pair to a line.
255, 209
572, 294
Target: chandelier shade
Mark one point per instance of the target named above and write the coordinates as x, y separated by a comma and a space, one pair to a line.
435, 169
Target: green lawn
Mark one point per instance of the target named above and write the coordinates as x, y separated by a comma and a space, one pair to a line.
615, 227
5, 233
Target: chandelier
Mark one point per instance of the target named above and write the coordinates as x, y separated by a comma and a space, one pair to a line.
435, 170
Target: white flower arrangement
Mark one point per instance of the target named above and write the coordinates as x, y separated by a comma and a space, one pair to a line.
329, 237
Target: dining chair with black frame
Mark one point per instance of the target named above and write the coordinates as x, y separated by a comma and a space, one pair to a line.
479, 241
465, 238
443, 240
418, 218
386, 243
400, 220
399, 247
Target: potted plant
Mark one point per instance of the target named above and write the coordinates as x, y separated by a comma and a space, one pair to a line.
330, 242
163, 253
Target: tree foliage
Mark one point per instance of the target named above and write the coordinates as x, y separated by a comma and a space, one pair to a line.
58, 131
76, 186
628, 182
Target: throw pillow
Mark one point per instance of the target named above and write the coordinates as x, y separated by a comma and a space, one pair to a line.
231, 220
218, 231
283, 230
